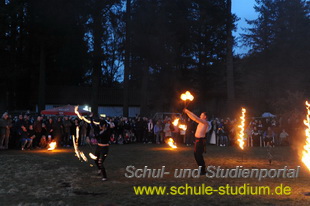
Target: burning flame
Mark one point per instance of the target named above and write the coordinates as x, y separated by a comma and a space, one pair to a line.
306, 153
183, 127
82, 117
176, 121
187, 96
83, 156
52, 146
94, 157
171, 143
75, 141
75, 147
241, 126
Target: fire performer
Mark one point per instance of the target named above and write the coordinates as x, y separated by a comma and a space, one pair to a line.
200, 138
102, 148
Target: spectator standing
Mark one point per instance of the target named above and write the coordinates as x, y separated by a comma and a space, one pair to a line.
50, 129
256, 137
83, 132
67, 131
4, 139
167, 130
150, 131
58, 131
37, 126
157, 131
213, 131
284, 137
139, 129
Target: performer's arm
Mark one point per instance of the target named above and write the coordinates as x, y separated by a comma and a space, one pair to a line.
194, 117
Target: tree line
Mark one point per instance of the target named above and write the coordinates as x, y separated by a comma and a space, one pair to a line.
159, 48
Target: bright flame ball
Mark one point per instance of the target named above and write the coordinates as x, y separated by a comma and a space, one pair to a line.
176, 122
187, 96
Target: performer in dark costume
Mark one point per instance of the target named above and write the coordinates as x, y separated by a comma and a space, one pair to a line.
102, 148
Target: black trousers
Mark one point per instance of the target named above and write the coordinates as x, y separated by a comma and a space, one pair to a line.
101, 153
200, 145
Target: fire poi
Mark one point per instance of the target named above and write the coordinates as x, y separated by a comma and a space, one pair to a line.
306, 152
187, 96
78, 153
241, 132
82, 117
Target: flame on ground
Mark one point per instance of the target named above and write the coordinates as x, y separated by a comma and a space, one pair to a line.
187, 96
306, 152
241, 126
176, 121
171, 143
52, 146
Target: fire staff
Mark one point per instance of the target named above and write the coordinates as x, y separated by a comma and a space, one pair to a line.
200, 137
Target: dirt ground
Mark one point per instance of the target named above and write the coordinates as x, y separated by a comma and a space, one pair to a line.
41, 177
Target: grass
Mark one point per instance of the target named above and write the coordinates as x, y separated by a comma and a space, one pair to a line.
41, 177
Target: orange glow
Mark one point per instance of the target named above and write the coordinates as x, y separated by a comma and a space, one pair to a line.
171, 143
183, 127
52, 146
306, 152
241, 132
176, 122
187, 96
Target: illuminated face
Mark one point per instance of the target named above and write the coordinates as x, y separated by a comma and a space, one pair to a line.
203, 116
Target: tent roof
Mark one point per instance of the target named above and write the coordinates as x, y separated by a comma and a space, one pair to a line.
64, 110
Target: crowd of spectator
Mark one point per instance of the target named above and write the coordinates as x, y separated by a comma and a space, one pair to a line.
258, 131
30, 132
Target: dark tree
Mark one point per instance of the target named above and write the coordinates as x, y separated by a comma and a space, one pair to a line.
280, 44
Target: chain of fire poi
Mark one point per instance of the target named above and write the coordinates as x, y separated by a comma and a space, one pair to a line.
306, 152
241, 126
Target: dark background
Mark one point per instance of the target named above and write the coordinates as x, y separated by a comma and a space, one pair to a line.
155, 50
